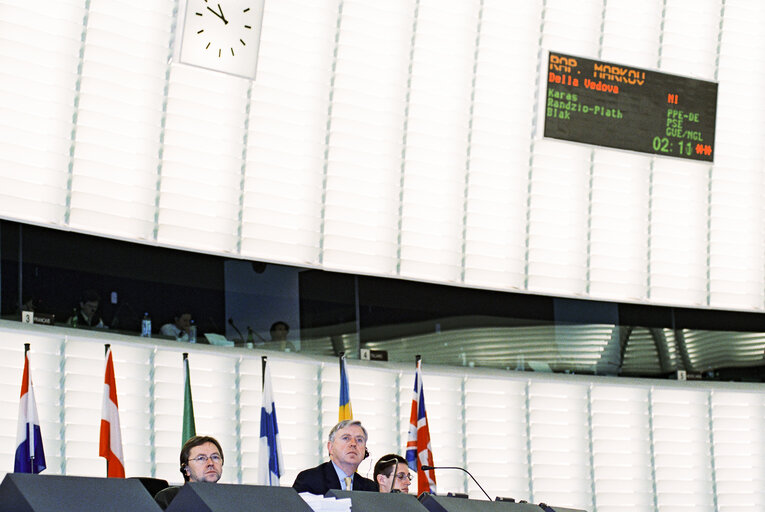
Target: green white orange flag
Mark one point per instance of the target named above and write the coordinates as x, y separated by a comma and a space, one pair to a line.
189, 427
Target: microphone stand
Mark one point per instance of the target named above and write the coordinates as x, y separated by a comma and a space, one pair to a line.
428, 468
251, 331
394, 462
393, 480
231, 323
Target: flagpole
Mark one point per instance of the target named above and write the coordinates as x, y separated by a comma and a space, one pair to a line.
418, 392
106, 353
263, 372
30, 426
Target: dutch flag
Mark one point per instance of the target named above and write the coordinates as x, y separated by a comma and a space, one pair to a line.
30, 457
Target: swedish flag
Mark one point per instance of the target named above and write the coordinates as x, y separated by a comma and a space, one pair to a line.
345, 412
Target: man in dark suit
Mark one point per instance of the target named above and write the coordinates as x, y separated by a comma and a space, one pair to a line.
347, 448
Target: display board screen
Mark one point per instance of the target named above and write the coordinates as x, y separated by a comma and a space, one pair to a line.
630, 108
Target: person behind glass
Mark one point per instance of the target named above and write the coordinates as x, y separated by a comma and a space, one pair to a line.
279, 331
347, 447
31, 303
87, 313
179, 328
201, 461
392, 474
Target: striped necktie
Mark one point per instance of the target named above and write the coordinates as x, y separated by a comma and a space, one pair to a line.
348, 483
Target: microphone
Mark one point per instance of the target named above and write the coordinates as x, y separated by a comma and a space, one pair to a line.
231, 323
428, 468
394, 464
393, 480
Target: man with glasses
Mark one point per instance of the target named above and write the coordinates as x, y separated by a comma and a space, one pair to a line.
392, 474
201, 461
347, 447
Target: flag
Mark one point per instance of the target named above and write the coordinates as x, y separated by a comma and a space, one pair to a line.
270, 464
189, 428
418, 450
110, 446
346, 412
30, 457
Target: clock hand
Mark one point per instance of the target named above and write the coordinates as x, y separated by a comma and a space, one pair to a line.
222, 18
220, 9
215, 13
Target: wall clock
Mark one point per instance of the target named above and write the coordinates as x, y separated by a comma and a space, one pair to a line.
222, 35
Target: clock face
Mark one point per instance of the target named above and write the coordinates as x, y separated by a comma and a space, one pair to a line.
223, 35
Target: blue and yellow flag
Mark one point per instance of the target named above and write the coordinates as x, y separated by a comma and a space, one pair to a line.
345, 413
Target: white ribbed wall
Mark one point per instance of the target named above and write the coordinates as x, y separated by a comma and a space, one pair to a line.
599, 444
396, 138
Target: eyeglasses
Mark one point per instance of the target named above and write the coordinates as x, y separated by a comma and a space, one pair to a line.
202, 459
401, 476
346, 438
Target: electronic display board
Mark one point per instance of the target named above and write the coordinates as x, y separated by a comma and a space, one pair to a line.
630, 108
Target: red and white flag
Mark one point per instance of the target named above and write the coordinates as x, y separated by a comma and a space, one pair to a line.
110, 446
418, 450
29, 448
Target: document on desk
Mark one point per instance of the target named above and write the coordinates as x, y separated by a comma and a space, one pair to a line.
218, 340
320, 503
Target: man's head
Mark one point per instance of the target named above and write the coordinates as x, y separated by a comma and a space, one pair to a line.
183, 321
89, 302
31, 303
279, 331
201, 459
347, 445
389, 466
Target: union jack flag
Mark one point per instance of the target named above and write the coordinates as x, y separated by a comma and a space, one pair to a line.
418, 450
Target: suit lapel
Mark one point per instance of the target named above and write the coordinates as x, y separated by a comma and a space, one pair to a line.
330, 477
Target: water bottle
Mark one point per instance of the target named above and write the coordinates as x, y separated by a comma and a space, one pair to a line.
146, 326
74, 320
192, 333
